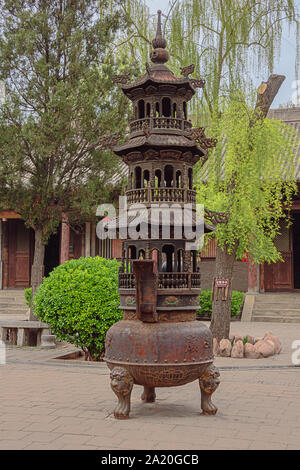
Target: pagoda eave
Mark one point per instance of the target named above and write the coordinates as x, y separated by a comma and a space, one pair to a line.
157, 142
151, 85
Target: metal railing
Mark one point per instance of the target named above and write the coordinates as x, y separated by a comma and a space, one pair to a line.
160, 195
160, 123
165, 281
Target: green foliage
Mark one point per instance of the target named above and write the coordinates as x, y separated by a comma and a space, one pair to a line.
57, 64
79, 300
206, 303
28, 295
251, 175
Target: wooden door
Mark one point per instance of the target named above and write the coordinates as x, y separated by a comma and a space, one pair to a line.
75, 249
279, 276
18, 254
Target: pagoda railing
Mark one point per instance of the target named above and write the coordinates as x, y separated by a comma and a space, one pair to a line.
165, 280
160, 123
160, 195
126, 281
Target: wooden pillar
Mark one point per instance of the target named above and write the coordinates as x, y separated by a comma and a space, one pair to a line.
64, 239
1, 265
5, 257
154, 256
87, 239
253, 276
93, 240
262, 277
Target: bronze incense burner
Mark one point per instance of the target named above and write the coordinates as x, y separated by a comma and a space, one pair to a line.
159, 342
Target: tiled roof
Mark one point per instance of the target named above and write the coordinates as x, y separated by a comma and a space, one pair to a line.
290, 116
158, 74
158, 140
144, 217
122, 173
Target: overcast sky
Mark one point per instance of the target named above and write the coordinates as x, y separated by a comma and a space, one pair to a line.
284, 66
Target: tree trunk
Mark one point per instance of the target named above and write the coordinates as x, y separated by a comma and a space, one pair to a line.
221, 309
37, 268
266, 93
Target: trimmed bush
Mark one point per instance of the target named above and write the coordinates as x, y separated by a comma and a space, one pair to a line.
27, 294
80, 301
206, 303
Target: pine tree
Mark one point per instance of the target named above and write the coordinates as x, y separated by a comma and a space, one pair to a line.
61, 104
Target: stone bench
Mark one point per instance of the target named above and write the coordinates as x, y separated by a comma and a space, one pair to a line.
23, 332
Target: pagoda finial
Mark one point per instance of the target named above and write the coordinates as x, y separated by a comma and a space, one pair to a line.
159, 55
159, 41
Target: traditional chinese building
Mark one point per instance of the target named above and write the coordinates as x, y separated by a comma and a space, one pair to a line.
17, 248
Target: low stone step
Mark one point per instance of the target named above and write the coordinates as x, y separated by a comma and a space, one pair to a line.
277, 300
11, 292
22, 324
277, 317
5, 298
12, 304
13, 317
262, 318
275, 311
13, 311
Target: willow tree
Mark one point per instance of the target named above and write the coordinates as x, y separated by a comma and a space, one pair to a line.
61, 102
250, 179
229, 41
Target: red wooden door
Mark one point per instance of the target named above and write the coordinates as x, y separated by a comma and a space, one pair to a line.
75, 249
18, 254
279, 276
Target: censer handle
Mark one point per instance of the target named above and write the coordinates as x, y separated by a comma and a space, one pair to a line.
146, 289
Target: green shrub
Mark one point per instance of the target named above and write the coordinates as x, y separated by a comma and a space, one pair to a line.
206, 303
80, 301
236, 302
27, 294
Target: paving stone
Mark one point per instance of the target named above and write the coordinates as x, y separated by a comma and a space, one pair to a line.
48, 404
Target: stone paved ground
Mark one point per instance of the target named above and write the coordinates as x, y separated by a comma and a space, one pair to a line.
55, 404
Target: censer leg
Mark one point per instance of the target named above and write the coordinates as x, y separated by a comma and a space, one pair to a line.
148, 395
121, 383
209, 382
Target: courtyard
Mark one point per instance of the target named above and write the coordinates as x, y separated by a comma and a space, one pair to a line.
136, 198
49, 403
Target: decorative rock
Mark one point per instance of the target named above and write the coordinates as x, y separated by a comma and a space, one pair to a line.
238, 349
231, 338
269, 336
48, 342
254, 348
216, 348
250, 339
249, 351
225, 348
264, 348
238, 338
